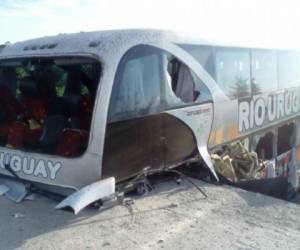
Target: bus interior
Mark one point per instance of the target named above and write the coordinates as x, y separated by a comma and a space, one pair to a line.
47, 104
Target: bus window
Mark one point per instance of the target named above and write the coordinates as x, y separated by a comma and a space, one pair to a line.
233, 71
263, 71
137, 86
287, 69
184, 82
203, 54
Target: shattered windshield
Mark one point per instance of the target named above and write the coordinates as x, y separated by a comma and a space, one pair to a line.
46, 104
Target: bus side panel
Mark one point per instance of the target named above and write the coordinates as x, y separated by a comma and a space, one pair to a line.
179, 142
153, 141
132, 145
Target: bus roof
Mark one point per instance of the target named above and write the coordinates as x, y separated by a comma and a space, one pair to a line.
92, 42
83, 42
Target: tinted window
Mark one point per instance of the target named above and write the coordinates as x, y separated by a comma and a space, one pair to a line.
287, 69
203, 54
136, 90
233, 71
264, 71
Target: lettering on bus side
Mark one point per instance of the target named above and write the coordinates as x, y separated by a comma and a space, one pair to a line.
259, 111
30, 166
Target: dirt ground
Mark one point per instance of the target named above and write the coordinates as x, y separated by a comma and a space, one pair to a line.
172, 217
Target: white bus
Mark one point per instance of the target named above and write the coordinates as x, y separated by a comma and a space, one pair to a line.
80, 108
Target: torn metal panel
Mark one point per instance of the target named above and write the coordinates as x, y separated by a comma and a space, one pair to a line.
13, 190
207, 159
3, 189
199, 119
89, 194
224, 167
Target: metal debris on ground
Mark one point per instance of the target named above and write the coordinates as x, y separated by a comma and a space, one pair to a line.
3, 189
13, 189
88, 195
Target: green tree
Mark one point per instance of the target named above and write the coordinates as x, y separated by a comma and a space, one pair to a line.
255, 89
240, 88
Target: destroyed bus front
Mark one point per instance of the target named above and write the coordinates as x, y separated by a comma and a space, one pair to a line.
46, 109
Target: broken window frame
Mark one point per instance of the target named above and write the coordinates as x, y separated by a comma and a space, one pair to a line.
62, 60
256, 137
167, 98
283, 158
292, 138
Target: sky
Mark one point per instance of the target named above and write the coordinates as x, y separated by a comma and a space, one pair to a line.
267, 21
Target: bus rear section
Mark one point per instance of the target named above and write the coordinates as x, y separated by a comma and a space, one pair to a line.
263, 90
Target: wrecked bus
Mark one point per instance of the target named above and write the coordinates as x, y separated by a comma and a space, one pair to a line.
83, 108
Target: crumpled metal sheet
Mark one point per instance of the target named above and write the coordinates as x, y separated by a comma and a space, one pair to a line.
89, 194
3, 189
224, 167
13, 190
199, 119
236, 163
